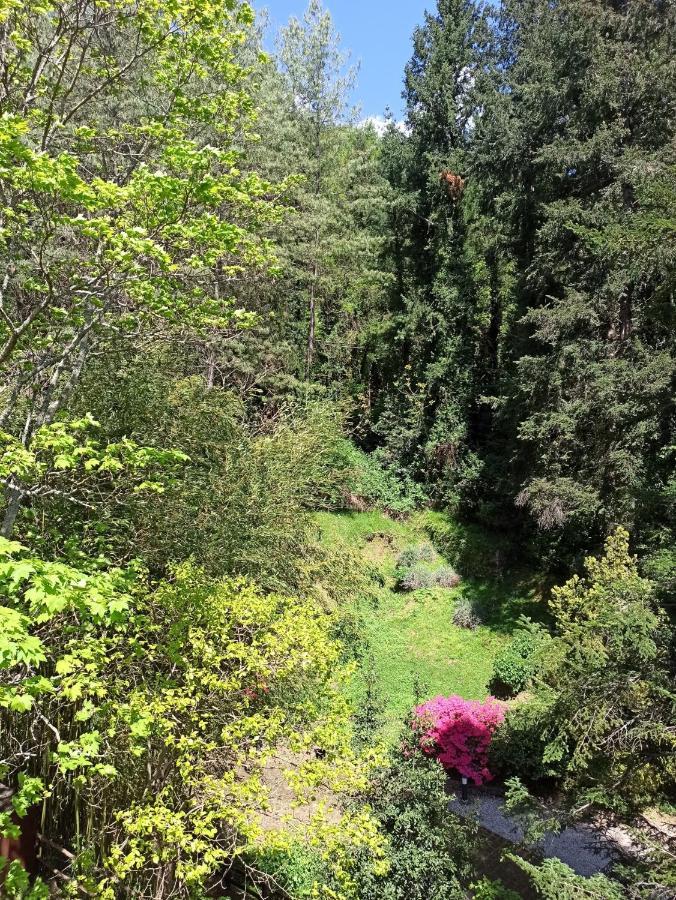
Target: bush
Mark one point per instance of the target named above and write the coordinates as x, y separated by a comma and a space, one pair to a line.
492, 890
375, 483
466, 615
338, 577
418, 567
660, 567
459, 732
429, 848
148, 685
447, 577
514, 668
554, 880
296, 869
369, 714
519, 744
609, 669
417, 554
242, 505
414, 579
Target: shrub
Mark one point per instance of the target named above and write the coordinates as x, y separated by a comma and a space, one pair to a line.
660, 567
554, 880
492, 890
519, 744
415, 579
417, 554
377, 484
144, 687
369, 713
297, 869
447, 577
417, 567
609, 670
515, 667
429, 848
243, 504
466, 615
459, 733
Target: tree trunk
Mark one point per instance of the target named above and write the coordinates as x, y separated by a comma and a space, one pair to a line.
13, 495
54, 395
309, 357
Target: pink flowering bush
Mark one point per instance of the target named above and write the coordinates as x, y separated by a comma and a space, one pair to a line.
459, 732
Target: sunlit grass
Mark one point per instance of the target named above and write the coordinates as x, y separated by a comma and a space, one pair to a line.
413, 647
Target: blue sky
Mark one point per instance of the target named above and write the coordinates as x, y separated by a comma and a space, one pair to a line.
378, 32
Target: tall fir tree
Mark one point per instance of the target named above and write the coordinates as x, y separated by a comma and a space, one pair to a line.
330, 277
583, 111
530, 371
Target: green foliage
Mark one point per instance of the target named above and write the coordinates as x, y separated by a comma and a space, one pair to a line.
370, 715
605, 696
36, 592
167, 705
492, 890
536, 817
379, 485
654, 871
520, 743
297, 870
244, 506
428, 847
482, 300
244, 499
149, 243
590, 412
329, 281
660, 567
68, 463
555, 880
16, 884
526, 352
518, 664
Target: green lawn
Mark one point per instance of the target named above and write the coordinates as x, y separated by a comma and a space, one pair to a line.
413, 646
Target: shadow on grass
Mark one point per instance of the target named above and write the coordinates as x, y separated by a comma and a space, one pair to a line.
501, 602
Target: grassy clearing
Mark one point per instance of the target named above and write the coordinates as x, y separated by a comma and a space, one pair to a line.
414, 649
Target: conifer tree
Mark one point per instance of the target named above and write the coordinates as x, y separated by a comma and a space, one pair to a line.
330, 278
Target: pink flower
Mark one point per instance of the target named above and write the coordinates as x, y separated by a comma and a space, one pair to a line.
459, 733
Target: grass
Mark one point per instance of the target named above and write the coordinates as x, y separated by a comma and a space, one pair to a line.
414, 649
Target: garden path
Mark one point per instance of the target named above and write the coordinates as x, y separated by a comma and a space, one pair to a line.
586, 848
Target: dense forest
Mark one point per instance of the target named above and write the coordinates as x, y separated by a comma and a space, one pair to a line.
337, 460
